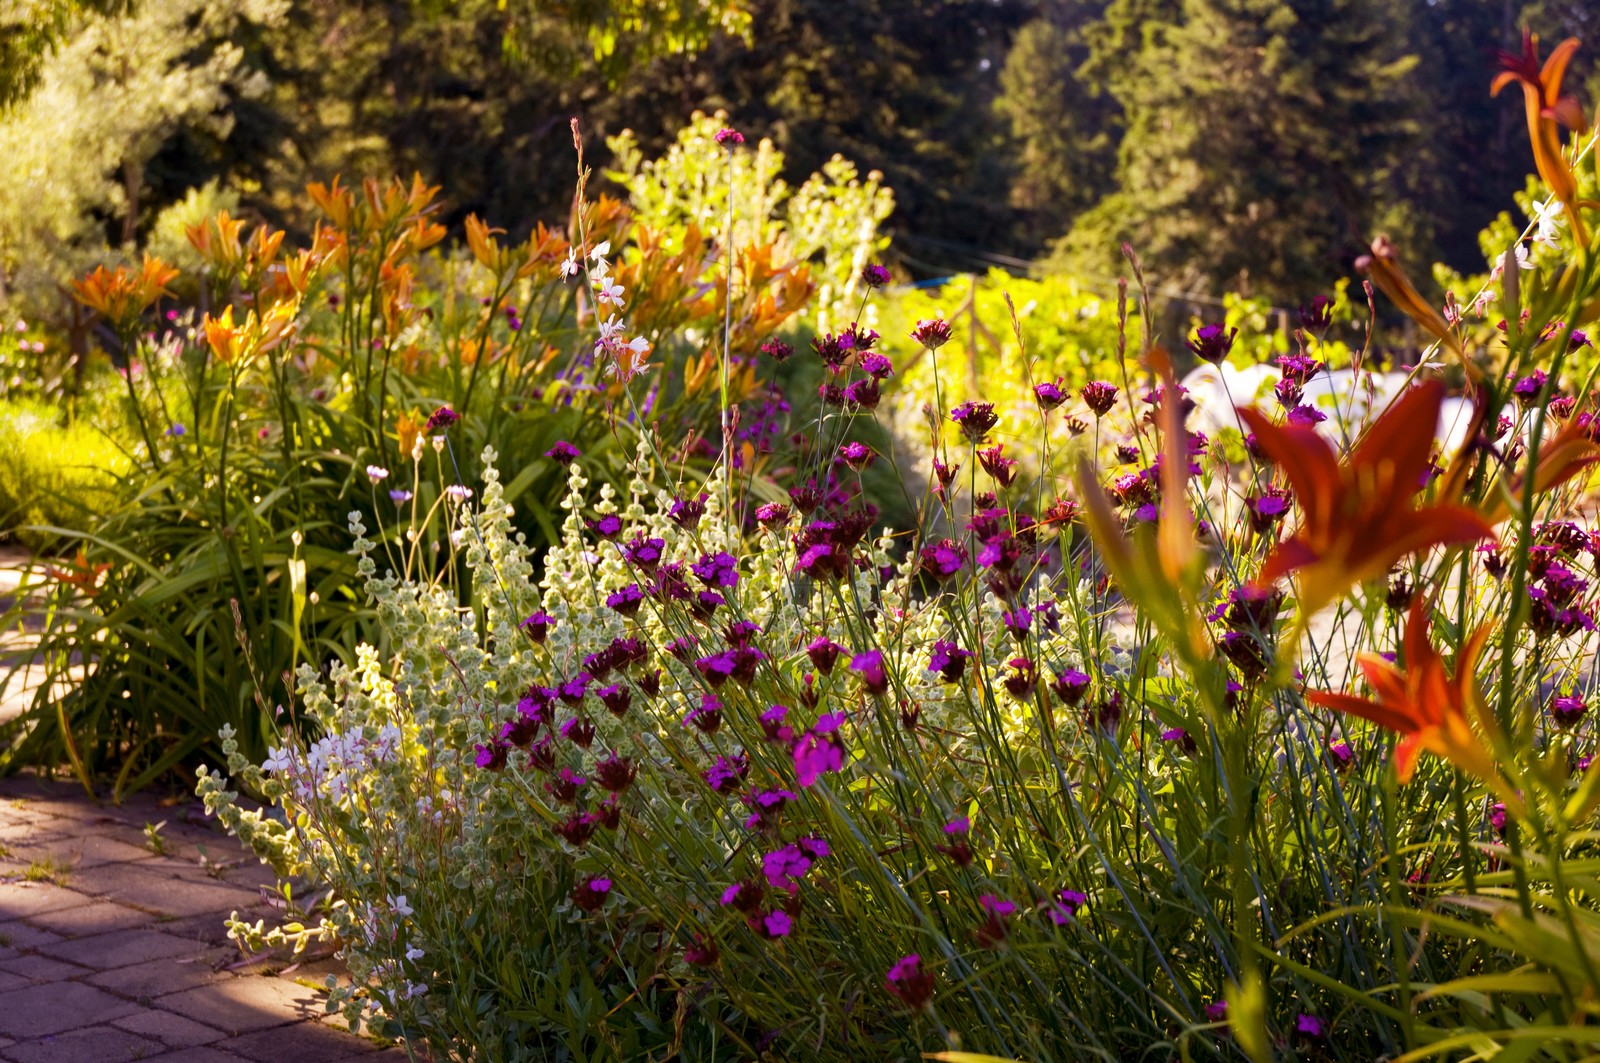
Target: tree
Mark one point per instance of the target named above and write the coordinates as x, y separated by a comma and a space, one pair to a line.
73, 152
1263, 138
1062, 129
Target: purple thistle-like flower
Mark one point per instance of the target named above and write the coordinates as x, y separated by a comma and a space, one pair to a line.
949, 660
686, 512
1217, 1011
1341, 754
1211, 343
869, 666
1310, 1027
1528, 388
775, 924
705, 717
1306, 416
777, 350
823, 652
644, 553
579, 731
590, 894
908, 982
875, 275
443, 417
728, 773
720, 569
856, 455
492, 757
865, 393
877, 366
772, 514
975, 419
564, 452
1017, 622
1070, 686
1567, 709
1179, 738
616, 698
537, 627
932, 333
943, 559
1317, 315
608, 526
729, 138
1049, 394
815, 754
1099, 396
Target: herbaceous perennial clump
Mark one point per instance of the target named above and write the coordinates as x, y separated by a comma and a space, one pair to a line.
1267, 742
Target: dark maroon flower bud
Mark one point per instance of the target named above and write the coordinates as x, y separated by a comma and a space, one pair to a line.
577, 829
875, 275
975, 419
443, 417
564, 452
777, 350
615, 773
537, 627
932, 333
1317, 316
590, 894
616, 698
1099, 396
1049, 394
909, 983
1211, 343
823, 652
579, 731
1070, 686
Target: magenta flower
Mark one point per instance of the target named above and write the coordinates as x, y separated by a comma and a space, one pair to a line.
537, 626
875, 275
1567, 709
975, 419
823, 652
816, 753
443, 417
943, 559
949, 660
1211, 343
932, 333
1049, 394
777, 350
492, 757
590, 894
627, 600
909, 983
564, 452
856, 455
729, 138
775, 924
1310, 1027
1217, 1011
869, 666
1099, 396
616, 698
1070, 686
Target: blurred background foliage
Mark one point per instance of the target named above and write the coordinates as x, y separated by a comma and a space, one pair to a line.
1239, 144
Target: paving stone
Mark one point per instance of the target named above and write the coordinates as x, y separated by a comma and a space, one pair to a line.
18, 900
98, 917
305, 1042
47, 1009
41, 968
79, 851
20, 935
174, 1031
157, 978
154, 890
243, 1005
101, 1044
120, 948
9, 981
198, 1054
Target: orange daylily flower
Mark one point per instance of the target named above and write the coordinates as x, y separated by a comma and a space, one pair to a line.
119, 295
1547, 110
1431, 709
1360, 517
408, 428
79, 573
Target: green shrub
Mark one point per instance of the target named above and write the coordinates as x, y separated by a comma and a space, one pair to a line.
53, 476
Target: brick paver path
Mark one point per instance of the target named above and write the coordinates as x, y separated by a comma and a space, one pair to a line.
110, 952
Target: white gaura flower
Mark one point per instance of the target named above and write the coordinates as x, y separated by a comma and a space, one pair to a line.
377, 473
414, 954
609, 291
1547, 216
601, 250
570, 267
398, 905
1520, 251
281, 759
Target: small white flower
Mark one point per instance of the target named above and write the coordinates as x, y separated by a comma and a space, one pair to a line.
570, 267
1520, 251
438, 444
458, 492
280, 759
414, 954
377, 473
398, 905
611, 328
609, 292
296, 538
638, 345
1547, 216
601, 250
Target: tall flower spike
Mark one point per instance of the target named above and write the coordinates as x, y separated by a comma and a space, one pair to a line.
1429, 708
1547, 110
1360, 517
